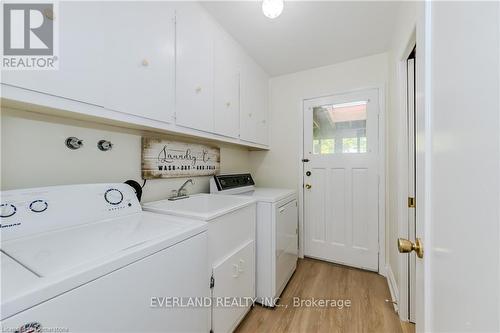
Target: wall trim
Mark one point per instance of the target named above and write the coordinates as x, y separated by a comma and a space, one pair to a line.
393, 287
402, 174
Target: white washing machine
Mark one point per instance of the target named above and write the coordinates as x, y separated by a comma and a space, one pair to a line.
86, 258
277, 232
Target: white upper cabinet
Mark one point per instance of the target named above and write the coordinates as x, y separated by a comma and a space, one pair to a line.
227, 63
254, 114
140, 58
168, 66
82, 57
118, 55
194, 65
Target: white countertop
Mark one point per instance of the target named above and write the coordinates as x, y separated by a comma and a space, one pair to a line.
270, 194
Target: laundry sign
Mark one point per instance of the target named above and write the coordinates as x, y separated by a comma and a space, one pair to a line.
169, 159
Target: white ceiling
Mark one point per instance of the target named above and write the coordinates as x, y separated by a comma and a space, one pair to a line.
308, 34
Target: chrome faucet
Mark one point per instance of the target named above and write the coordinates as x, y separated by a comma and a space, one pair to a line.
178, 194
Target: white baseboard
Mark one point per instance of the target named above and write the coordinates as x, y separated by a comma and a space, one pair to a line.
393, 287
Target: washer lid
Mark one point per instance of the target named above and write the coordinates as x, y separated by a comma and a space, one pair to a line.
270, 194
67, 258
65, 250
17, 277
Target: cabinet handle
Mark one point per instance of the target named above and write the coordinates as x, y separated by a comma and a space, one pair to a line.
241, 265
228, 104
264, 121
198, 90
235, 271
145, 63
250, 115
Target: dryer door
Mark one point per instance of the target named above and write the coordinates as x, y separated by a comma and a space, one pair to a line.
286, 243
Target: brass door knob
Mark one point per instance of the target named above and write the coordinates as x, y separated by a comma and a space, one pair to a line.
406, 246
308, 186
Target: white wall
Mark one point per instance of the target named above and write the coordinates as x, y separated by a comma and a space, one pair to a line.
279, 166
33, 153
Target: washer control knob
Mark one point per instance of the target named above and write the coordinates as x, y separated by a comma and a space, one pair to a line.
7, 210
39, 206
113, 196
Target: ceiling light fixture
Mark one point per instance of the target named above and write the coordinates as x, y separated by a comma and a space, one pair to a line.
272, 8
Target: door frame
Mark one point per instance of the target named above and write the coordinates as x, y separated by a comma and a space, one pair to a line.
381, 170
403, 177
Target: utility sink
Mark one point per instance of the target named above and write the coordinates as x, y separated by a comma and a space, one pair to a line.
204, 207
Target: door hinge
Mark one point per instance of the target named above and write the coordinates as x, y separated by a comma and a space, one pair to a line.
411, 202
212, 282
305, 160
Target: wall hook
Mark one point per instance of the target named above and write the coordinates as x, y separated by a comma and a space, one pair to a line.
74, 143
104, 145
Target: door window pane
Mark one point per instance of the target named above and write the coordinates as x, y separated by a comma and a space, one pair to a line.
324, 146
340, 128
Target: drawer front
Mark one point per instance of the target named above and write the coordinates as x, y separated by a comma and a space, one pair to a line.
228, 232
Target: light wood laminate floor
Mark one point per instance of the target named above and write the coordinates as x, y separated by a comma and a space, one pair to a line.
367, 292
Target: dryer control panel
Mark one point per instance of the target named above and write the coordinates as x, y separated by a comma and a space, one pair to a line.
226, 182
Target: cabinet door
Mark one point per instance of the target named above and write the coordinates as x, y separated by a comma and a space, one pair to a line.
253, 117
81, 57
227, 58
140, 50
235, 278
194, 65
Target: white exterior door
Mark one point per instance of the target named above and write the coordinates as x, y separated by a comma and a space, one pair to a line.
341, 178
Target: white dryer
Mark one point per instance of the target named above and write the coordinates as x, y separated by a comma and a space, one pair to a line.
86, 258
277, 232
